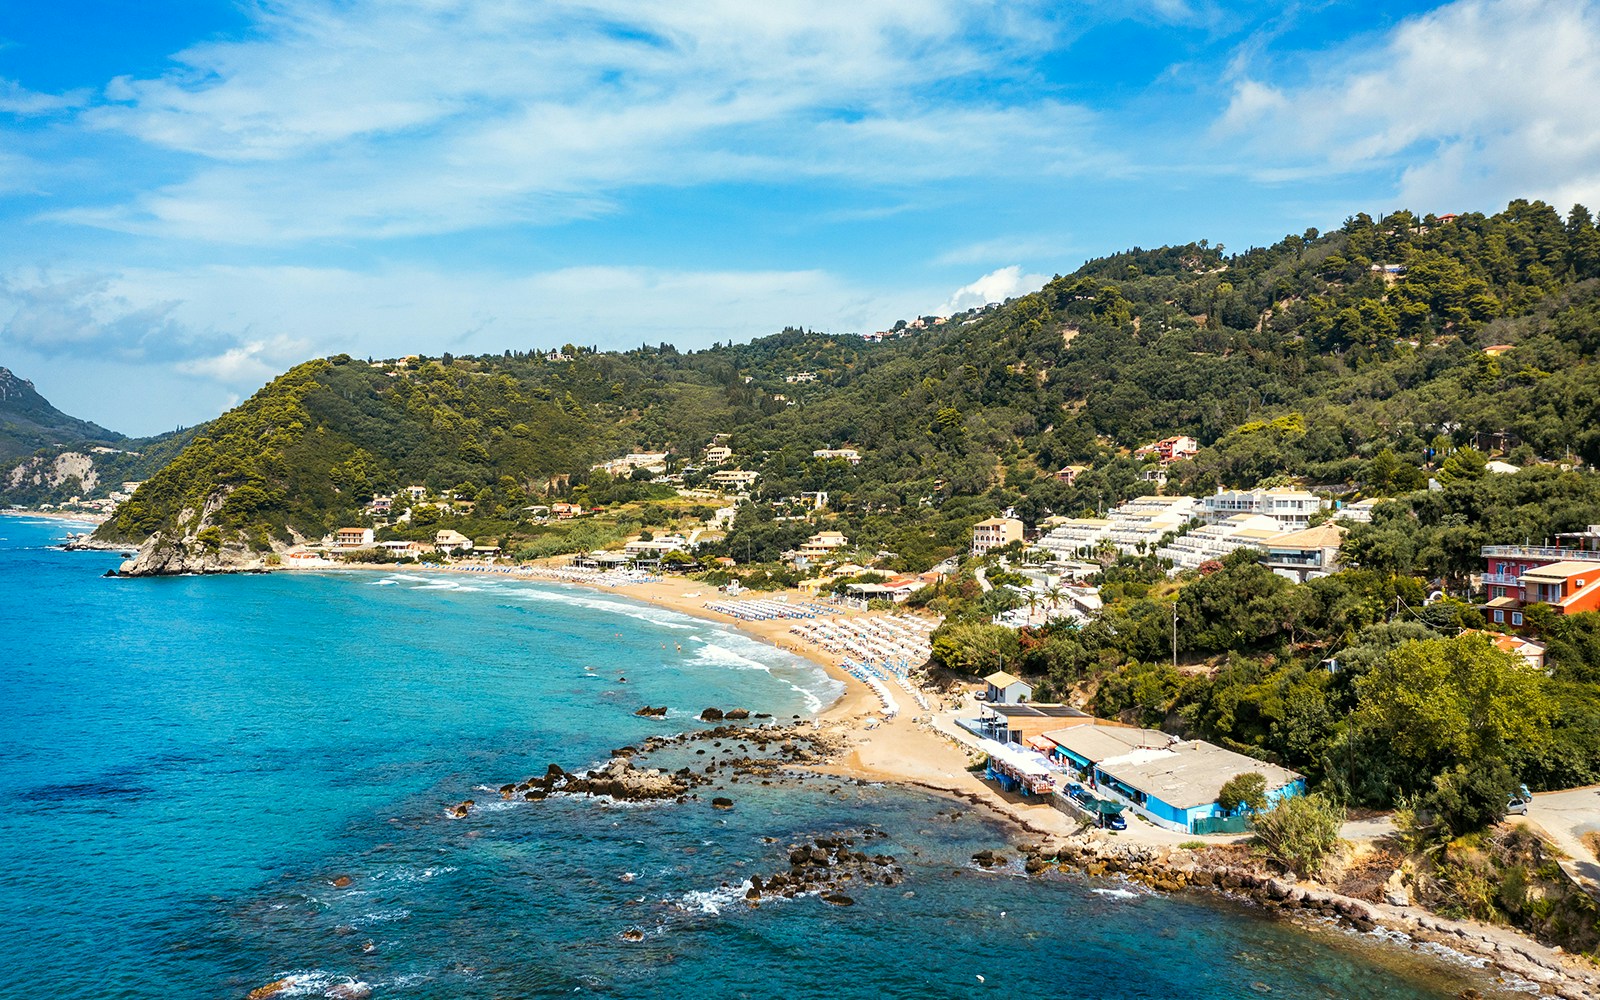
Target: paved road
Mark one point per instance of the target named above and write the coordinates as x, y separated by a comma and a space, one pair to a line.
1566, 816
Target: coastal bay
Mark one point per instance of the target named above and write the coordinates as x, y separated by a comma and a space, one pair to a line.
200, 762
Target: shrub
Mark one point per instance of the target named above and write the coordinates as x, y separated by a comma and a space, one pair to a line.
1248, 791
1300, 833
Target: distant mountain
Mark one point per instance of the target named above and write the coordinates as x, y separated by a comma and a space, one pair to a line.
28, 422
47, 456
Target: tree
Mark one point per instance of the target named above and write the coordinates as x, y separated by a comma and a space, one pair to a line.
1244, 791
1300, 833
1434, 705
975, 648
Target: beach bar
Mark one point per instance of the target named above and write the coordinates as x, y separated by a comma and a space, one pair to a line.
1173, 783
1018, 770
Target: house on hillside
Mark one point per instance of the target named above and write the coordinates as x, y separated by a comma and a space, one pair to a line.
823, 543
995, 533
1562, 575
1171, 449
1069, 473
1291, 508
1304, 555
1001, 688
848, 454
352, 538
449, 542
1531, 652
717, 454
736, 479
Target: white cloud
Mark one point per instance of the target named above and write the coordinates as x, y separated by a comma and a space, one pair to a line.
252, 362
16, 99
402, 117
996, 286
1469, 105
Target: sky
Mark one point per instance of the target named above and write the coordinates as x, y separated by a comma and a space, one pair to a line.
197, 194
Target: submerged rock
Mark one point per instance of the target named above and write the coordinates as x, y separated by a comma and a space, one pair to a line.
271, 989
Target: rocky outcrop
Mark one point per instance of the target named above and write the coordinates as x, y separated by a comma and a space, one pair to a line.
825, 865
1235, 872
617, 778
198, 547
161, 556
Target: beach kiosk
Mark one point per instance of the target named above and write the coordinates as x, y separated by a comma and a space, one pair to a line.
1018, 770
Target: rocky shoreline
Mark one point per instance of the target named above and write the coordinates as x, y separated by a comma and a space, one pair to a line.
1234, 872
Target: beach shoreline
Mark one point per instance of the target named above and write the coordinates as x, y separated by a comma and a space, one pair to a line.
929, 753
66, 517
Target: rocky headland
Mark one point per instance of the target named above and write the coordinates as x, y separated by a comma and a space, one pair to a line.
1234, 871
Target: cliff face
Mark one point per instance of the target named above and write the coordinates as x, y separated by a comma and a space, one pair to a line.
197, 546
161, 556
54, 473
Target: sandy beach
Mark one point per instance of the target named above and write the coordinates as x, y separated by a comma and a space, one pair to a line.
924, 750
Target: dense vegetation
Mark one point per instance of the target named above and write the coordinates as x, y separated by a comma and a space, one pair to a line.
1353, 361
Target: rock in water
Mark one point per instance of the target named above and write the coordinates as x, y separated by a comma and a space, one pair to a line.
633, 934
711, 715
272, 989
838, 899
350, 991
721, 803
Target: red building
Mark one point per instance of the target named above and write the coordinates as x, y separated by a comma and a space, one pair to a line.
1565, 576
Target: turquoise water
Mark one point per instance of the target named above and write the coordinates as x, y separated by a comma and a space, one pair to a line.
188, 765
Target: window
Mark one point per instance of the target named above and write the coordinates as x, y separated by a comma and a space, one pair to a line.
1580, 581
1500, 616
1516, 618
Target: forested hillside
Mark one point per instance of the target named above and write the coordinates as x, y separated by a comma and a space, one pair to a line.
1351, 359
28, 422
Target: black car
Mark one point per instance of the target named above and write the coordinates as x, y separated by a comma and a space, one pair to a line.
1113, 821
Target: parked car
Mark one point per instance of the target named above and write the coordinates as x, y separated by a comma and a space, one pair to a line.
1113, 821
1517, 803
1082, 794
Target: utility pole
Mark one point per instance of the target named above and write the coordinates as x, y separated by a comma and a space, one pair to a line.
1174, 635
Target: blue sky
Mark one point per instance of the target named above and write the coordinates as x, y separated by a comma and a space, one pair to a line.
196, 195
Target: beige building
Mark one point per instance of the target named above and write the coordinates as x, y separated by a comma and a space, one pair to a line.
995, 533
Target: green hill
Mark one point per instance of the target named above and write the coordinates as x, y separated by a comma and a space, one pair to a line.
28, 422
1347, 359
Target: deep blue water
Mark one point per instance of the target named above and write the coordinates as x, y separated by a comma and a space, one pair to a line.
186, 765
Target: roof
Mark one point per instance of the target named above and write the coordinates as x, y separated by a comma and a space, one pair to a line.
1192, 774
1100, 742
1562, 571
1510, 643
1035, 710
1002, 679
997, 522
1324, 536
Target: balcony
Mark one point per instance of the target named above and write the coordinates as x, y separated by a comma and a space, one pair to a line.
1502, 580
1551, 552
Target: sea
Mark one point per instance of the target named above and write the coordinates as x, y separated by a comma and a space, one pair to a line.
210, 784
